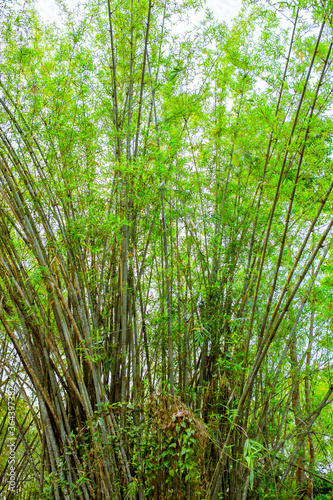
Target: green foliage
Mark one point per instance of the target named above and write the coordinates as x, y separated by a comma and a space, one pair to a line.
164, 200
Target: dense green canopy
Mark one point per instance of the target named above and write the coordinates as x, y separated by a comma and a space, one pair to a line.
165, 251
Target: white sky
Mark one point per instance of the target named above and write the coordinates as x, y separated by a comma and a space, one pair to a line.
224, 10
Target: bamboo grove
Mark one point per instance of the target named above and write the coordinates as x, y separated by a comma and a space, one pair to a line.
165, 251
